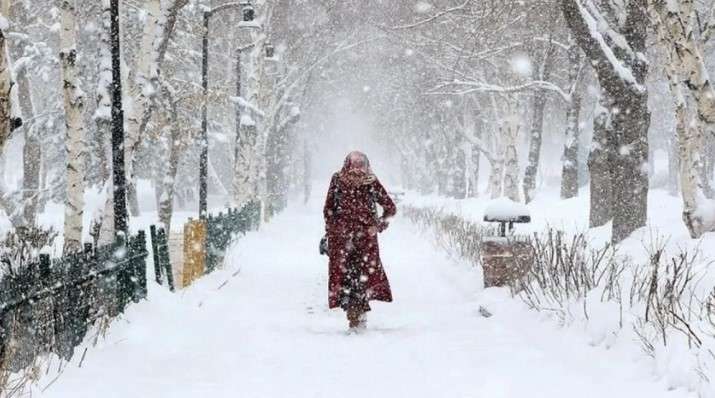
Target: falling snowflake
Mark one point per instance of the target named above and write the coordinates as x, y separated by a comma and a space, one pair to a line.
521, 65
423, 7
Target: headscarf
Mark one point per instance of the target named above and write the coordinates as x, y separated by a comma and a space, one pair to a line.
356, 170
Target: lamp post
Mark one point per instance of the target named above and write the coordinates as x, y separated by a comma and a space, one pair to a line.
248, 14
119, 179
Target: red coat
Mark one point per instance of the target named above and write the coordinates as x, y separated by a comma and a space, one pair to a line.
352, 230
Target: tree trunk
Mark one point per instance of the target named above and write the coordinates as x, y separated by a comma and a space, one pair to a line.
158, 30
630, 185
689, 141
622, 73
569, 171
686, 67
31, 152
243, 174
599, 163
75, 129
103, 119
473, 171
142, 93
457, 167
166, 201
471, 151
673, 166
689, 138
5, 91
537, 126
511, 157
247, 167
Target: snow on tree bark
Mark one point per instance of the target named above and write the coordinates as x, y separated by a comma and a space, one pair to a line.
75, 129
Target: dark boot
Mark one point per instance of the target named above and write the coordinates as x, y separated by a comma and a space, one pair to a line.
362, 321
353, 318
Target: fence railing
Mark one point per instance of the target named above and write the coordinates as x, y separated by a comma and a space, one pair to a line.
223, 227
49, 305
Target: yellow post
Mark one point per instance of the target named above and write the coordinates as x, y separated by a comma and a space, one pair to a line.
195, 232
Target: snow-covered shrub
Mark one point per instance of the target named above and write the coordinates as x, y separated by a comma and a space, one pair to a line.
566, 269
459, 237
23, 245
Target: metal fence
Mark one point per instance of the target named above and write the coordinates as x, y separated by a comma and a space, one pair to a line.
49, 305
221, 230
224, 227
162, 263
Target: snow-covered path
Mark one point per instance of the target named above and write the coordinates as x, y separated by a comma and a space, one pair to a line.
260, 328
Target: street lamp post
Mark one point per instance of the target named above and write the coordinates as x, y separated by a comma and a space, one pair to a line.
119, 179
248, 15
204, 158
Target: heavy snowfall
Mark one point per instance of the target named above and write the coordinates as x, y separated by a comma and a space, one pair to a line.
330, 198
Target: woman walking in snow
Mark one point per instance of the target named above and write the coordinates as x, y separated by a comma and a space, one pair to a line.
356, 275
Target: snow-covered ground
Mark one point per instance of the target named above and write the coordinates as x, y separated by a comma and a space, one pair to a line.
260, 327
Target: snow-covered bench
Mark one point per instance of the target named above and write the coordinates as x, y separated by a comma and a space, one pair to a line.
506, 260
506, 212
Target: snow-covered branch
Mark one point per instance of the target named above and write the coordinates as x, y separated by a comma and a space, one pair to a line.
434, 17
596, 37
463, 88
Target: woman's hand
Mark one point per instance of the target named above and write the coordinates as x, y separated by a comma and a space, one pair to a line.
381, 225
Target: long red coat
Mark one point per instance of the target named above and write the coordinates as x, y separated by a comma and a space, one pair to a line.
352, 232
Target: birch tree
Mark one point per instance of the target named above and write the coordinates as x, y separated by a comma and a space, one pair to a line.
511, 133
249, 141
141, 94
104, 221
75, 129
687, 73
